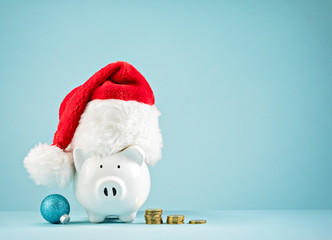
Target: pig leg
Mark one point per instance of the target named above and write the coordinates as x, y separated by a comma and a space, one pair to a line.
95, 218
128, 218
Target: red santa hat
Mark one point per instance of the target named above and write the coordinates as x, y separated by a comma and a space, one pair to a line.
112, 110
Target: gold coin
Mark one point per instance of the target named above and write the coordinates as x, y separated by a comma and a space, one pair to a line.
153, 210
197, 221
153, 222
152, 216
175, 216
153, 219
175, 219
175, 222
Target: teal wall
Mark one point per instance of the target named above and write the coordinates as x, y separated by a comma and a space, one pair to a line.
244, 87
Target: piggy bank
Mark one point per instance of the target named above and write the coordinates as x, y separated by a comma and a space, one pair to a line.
108, 132
114, 185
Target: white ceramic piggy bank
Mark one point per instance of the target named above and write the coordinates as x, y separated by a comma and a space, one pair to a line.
111, 186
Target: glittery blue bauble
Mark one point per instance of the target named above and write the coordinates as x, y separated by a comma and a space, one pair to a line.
53, 207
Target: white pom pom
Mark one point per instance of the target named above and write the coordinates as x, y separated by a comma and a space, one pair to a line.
49, 166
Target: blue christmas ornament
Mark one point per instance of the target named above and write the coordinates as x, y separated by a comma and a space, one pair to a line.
55, 209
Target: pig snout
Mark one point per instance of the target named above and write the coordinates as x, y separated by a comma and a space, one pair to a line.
111, 188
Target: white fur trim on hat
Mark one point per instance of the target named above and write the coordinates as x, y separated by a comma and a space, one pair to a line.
49, 166
105, 127
109, 126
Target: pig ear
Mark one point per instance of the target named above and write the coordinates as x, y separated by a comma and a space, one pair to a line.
135, 153
79, 157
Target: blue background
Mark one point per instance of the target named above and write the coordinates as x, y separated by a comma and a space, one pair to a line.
244, 88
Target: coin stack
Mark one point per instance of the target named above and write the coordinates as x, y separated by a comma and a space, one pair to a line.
197, 221
175, 219
153, 216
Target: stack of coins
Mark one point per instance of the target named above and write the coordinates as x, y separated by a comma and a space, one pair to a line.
153, 216
197, 221
175, 219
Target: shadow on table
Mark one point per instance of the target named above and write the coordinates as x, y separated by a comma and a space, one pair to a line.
87, 222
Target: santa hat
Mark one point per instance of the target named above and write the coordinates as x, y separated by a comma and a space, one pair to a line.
111, 111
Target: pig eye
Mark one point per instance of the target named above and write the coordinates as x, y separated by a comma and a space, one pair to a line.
101, 166
118, 166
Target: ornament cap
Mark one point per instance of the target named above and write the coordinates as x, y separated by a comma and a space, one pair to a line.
64, 219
